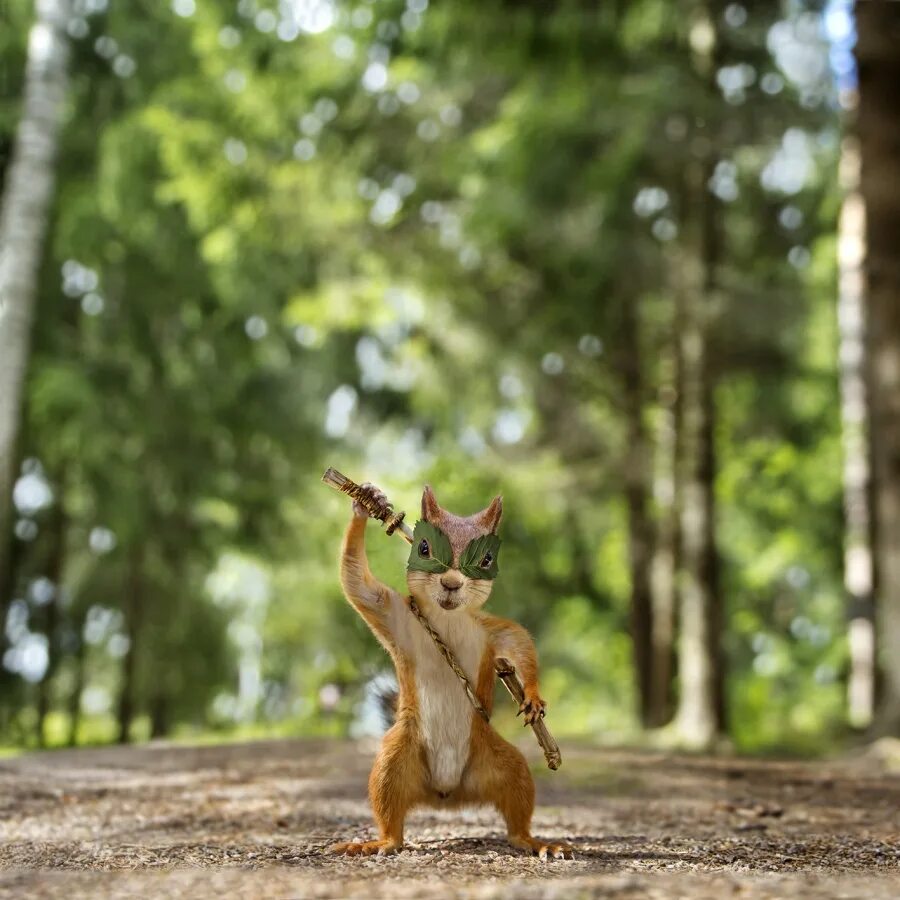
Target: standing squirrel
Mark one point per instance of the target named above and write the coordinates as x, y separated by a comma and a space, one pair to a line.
439, 752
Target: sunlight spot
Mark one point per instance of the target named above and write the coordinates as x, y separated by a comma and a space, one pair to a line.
16, 626
41, 591
326, 109
735, 15
790, 217
306, 335
25, 530
375, 77
553, 363
92, 304
388, 105
102, 540
408, 92
235, 80
367, 188
386, 206
341, 405
509, 426
590, 345
118, 645
106, 46
304, 150
799, 257
650, 200
511, 386
664, 229
78, 28
361, 17
229, 37
32, 493
428, 130
96, 701
344, 47
256, 328
472, 442
265, 21
235, 151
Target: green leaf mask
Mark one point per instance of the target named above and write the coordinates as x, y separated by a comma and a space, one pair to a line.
478, 561
439, 556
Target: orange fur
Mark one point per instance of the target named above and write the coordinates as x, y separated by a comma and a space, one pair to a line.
494, 771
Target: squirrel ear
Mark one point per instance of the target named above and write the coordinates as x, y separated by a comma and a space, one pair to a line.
490, 517
431, 509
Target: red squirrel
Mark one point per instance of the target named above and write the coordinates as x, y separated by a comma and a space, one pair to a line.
440, 752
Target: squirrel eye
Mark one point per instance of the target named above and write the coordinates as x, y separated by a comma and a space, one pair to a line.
423, 548
486, 562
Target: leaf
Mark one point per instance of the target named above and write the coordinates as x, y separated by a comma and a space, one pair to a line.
440, 557
475, 552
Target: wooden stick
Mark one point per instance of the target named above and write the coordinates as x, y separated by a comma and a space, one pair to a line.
508, 675
506, 671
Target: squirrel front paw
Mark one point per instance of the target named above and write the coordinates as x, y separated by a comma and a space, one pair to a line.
374, 499
533, 707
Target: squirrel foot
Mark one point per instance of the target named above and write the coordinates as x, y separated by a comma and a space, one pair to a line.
376, 499
533, 707
365, 848
546, 850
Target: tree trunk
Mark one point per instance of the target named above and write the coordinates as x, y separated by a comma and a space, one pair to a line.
664, 568
77, 687
159, 716
878, 27
637, 497
133, 622
24, 208
858, 566
697, 717
701, 705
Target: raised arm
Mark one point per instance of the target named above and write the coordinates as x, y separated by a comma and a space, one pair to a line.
361, 587
511, 641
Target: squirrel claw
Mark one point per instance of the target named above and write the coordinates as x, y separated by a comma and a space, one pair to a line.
534, 709
374, 498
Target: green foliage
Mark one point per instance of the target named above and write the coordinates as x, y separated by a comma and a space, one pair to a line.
409, 246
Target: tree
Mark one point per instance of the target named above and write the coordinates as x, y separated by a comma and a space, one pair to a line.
879, 135
24, 212
852, 358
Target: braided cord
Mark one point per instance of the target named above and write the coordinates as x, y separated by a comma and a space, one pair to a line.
447, 653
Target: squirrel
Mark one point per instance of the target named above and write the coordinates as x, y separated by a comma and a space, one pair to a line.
439, 751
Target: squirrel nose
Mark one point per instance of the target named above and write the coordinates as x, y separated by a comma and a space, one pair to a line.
452, 580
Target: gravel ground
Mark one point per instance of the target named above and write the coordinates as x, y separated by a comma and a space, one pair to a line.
252, 820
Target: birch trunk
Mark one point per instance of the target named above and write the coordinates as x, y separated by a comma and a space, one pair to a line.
24, 211
858, 564
878, 26
701, 704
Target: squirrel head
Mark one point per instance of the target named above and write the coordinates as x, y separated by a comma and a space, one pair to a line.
453, 559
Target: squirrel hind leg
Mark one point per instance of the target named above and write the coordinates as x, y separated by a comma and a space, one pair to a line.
546, 850
500, 776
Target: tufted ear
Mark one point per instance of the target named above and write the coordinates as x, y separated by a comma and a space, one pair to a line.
490, 518
431, 510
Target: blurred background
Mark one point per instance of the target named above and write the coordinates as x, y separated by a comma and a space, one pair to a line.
607, 259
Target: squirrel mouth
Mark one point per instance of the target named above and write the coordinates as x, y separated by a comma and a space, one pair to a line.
448, 602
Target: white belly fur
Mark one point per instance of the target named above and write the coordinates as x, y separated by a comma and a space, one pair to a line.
445, 713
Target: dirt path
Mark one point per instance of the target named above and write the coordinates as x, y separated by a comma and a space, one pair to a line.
251, 820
